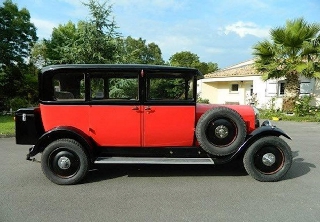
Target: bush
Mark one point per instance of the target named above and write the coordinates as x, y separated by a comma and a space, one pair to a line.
302, 106
17, 103
200, 100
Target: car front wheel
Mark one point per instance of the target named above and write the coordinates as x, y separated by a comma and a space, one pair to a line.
64, 162
268, 159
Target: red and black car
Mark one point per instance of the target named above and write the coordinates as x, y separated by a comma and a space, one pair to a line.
141, 114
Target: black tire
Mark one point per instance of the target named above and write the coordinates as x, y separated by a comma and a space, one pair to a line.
64, 162
221, 131
268, 159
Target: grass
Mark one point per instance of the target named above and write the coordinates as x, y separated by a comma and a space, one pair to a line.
267, 114
7, 127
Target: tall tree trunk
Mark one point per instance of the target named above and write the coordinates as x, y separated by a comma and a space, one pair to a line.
291, 91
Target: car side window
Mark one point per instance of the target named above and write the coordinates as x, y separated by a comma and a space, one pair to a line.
68, 87
113, 87
175, 88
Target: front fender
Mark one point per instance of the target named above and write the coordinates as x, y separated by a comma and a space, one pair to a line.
268, 130
61, 132
265, 130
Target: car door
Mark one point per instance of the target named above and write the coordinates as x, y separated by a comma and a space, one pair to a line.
169, 110
115, 110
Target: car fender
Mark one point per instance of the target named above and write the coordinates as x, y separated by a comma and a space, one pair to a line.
263, 131
62, 132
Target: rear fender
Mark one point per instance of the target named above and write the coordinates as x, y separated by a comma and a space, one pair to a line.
63, 132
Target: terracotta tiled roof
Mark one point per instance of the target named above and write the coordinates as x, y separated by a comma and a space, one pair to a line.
247, 69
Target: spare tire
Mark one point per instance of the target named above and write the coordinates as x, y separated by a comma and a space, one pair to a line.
221, 131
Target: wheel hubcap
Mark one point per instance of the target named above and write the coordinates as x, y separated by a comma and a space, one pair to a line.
64, 163
221, 131
268, 159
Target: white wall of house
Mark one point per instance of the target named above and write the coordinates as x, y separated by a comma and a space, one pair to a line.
268, 93
219, 90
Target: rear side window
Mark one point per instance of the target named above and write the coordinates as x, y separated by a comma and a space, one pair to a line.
68, 87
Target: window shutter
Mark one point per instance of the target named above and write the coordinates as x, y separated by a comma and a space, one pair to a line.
305, 87
271, 89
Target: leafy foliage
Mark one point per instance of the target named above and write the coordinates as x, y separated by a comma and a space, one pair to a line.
201, 100
92, 41
166, 88
191, 60
123, 88
17, 34
292, 52
303, 108
137, 51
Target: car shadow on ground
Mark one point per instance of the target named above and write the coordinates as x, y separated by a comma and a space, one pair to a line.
104, 172
299, 167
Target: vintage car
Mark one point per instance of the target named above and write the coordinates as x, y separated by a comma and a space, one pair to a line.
141, 114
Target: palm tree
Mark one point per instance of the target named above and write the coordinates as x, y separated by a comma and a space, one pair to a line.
292, 52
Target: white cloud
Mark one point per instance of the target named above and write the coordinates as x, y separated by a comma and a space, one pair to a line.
246, 28
44, 27
171, 44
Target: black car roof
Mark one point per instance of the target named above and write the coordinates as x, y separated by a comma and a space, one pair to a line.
119, 67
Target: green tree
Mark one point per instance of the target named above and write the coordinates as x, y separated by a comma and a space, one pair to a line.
59, 49
39, 55
137, 51
292, 52
17, 34
191, 60
212, 67
92, 41
185, 59
207, 67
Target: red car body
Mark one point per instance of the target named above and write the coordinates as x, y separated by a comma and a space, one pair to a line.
91, 114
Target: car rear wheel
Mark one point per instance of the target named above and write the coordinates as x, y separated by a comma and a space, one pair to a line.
268, 159
221, 131
64, 162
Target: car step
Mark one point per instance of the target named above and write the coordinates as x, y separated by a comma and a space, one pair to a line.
152, 160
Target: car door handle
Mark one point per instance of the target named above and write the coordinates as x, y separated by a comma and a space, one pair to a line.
147, 108
135, 108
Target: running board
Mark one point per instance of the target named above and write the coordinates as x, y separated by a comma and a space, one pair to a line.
152, 160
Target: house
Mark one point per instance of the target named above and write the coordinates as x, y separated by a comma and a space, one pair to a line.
242, 84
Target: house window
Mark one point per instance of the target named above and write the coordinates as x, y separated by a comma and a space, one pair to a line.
234, 88
281, 85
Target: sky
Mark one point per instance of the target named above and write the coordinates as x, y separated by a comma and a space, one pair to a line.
219, 31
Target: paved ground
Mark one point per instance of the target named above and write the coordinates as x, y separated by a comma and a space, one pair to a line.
165, 193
